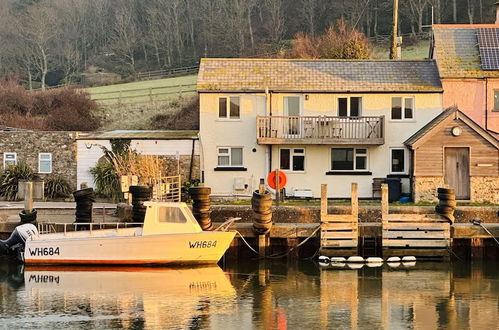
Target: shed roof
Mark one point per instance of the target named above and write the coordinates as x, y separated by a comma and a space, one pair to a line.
454, 113
298, 75
141, 135
456, 51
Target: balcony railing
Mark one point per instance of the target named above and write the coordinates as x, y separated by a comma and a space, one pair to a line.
320, 130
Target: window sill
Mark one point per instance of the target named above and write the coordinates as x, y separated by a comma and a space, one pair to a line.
400, 175
230, 169
348, 173
227, 119
401, 121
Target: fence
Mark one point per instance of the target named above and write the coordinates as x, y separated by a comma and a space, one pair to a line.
175, 72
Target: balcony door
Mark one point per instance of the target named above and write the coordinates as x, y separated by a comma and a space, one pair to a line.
292, 109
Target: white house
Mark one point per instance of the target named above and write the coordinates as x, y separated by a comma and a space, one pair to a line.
181, 147
319, 121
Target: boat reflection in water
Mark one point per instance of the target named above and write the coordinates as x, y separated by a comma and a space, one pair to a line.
148, 297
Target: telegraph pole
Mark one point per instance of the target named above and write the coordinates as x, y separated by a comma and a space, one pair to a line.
393, 48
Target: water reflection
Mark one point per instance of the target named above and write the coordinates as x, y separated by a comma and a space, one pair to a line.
253, 295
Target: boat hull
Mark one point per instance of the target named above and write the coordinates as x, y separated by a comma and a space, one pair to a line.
161, 249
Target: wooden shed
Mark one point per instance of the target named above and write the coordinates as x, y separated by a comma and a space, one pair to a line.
455, 151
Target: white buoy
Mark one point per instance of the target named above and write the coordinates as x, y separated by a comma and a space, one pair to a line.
374, 260
374, 264
324, 264
355, 265
409, 264
409, 258
338, 264
393, 264
393, 259
355, 259
337, 259
324, 259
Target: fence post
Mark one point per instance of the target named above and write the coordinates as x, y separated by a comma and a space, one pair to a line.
384, 201
355, 200
323, 200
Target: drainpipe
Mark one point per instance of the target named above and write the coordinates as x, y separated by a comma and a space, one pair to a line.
486, 103
411, 174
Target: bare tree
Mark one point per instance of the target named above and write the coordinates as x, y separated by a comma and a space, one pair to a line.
276, 20
125, 36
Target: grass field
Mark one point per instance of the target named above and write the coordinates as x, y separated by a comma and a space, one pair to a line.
416, 51
147, 91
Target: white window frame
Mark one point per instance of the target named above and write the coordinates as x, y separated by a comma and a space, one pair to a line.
366, 155
45, 160
349, 102
405, 160
230, 156
227, 105
291, 154
5, 158
403, 109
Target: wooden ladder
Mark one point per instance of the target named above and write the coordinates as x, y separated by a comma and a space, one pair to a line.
420, 235
339, 232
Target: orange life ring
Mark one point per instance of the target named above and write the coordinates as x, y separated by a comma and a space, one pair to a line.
271, 180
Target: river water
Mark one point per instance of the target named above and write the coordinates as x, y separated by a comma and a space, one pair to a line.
252, 295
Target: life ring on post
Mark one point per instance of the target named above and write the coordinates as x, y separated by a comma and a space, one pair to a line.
271, 179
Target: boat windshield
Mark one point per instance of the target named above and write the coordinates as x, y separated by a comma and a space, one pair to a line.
171, 215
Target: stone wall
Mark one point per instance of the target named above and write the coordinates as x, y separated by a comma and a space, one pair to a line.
425, 188
27, 145
485, 189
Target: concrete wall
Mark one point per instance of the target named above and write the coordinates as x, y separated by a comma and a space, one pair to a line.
90, 151
471, 96
27, 145
215, 132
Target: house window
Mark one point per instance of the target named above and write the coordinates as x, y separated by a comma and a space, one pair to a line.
350, 106
397, 156
292, 159
402, 108
228, 107
348, 159
496, 100
230, 156
9, 158
44, 163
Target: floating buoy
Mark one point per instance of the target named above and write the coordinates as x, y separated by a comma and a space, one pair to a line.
337, 259
355, 265
324, 259
374, 260
338, 264
323, 264
409, 258
393, 259
393, 264
355, 259
374, 264
409, 264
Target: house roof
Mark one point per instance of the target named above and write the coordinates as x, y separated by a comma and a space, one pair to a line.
298, 75
449, 114
141, 135
456, 51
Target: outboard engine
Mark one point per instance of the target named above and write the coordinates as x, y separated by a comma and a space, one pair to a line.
14, 245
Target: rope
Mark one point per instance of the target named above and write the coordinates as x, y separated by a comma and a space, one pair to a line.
478, 222
274, 256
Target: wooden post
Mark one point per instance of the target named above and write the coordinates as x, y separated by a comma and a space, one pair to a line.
28, 197
261, 186
277, 190
384, 201
355, 200
323, 200
476, 248
262, 245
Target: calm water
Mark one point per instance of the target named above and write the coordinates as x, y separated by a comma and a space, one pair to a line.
269, 295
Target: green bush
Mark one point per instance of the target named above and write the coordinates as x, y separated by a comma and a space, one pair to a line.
107, 182
9, 179
57, 187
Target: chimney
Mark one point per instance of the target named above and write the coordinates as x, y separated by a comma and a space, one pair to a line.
497, 12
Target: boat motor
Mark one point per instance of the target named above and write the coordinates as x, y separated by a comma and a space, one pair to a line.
17, 240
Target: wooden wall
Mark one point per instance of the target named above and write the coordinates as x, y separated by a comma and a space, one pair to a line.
429, 157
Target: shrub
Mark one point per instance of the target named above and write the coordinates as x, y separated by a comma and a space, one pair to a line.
107, 181
57, 187
9, 179
187, 118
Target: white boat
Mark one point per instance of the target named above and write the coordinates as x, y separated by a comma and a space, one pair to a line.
170, 235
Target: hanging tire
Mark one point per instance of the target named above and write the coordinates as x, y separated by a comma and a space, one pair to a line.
449, 203
446, 191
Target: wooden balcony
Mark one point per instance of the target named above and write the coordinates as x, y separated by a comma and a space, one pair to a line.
320, 130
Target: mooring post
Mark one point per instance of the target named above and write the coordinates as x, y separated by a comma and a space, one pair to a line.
355, 200
323, 201
261, 186
28, 197
476, 248
384, 201
277, 190
262, 245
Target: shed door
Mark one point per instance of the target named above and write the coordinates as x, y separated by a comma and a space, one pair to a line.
457, 171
